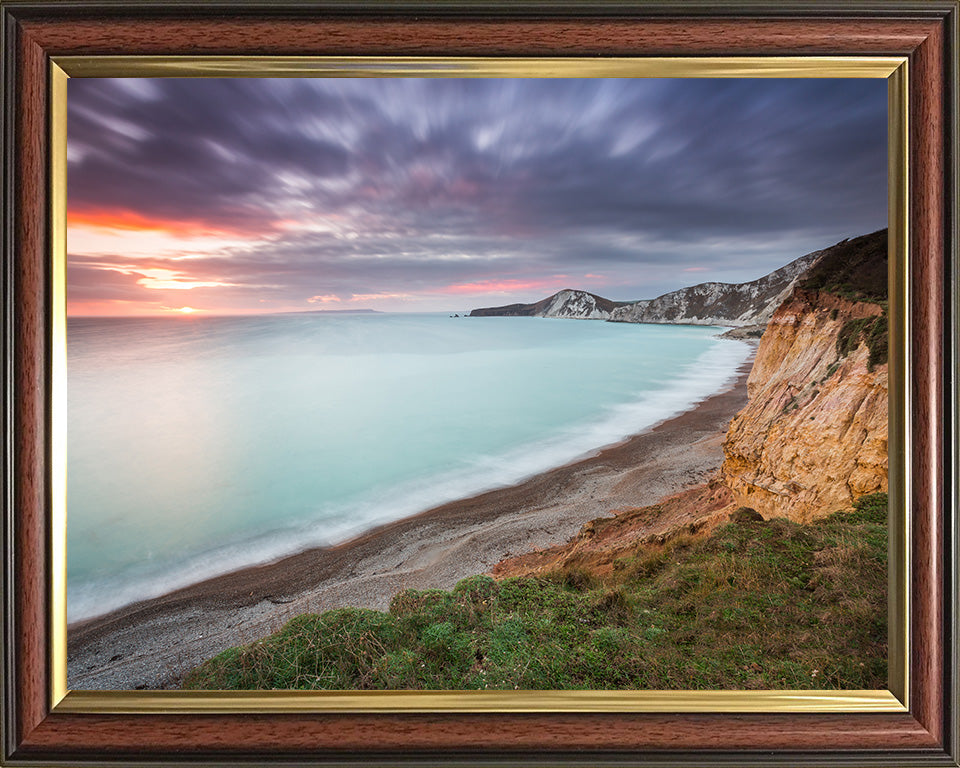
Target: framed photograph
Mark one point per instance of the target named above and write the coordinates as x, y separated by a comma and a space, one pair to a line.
311, 460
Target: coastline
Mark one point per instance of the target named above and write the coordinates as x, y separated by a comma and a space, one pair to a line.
150, 644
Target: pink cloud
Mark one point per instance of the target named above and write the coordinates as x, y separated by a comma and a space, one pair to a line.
553, 283
498, 286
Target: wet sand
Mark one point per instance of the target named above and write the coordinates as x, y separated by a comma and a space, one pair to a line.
151, 644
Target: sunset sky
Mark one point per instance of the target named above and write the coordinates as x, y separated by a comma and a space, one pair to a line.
242, 196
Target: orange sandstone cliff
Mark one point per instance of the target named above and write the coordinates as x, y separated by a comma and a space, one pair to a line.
813, 436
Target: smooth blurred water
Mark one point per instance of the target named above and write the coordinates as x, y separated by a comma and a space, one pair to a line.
201, 445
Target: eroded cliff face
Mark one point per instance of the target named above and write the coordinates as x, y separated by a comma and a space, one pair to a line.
813, 436
732, 304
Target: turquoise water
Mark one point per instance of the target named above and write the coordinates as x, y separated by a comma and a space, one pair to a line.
200, 445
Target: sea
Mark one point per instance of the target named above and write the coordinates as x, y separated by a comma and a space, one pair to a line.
201, 445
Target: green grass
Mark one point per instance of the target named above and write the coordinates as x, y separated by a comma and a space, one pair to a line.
871, 331
757, 604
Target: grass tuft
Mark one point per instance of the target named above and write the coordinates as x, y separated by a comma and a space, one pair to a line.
871, 331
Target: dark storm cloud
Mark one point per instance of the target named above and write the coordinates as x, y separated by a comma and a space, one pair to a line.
204, 150
406, 185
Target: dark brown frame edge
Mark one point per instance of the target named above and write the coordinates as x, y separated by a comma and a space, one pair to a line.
926, 32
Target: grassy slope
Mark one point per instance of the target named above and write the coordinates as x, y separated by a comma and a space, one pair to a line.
854, 269
769, 604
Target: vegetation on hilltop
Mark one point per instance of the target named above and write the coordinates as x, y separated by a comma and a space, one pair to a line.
756, 604
854, 269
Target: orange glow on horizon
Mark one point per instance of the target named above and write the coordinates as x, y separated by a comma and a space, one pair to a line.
167, 279
133, 308
126, 220
113, 308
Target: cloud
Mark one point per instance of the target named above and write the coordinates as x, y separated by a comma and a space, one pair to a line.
402, 189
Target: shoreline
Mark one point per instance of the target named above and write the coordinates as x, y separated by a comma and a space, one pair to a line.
150, 644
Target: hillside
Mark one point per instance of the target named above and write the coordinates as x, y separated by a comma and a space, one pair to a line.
568, 303
853, 269
732, 304
765, 605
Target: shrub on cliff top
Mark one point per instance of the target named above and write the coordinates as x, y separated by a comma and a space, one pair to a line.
854, 269
772, 605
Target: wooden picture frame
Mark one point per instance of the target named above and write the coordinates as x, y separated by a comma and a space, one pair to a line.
37, 732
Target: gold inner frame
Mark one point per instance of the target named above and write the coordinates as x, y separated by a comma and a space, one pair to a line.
895, 699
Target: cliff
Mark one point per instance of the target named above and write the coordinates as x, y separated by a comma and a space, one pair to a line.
732, 304
814, 435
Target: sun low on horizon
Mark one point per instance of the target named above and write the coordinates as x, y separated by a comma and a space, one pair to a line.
199, 197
